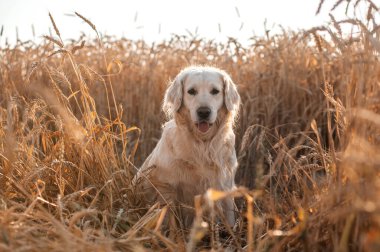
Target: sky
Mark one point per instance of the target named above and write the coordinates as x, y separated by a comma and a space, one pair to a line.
155, 20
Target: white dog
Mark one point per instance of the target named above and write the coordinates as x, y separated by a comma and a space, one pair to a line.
196, 150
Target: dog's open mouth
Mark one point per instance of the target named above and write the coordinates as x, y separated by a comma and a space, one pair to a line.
203, 126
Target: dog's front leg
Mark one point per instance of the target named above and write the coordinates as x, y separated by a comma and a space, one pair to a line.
228, 205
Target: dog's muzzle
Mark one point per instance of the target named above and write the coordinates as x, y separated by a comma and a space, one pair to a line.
203, 114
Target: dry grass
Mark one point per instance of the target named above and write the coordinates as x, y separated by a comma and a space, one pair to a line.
77, 118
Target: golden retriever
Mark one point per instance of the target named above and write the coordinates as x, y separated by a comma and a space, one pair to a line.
196, 150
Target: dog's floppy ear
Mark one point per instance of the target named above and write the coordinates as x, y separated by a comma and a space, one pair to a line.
231, 95
173, 96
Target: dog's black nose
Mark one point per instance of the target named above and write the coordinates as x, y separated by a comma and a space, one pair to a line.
203, 113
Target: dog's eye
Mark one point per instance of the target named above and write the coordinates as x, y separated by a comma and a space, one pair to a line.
192, 91
214, 91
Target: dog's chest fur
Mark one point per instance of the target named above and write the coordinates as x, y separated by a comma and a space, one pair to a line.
188, 163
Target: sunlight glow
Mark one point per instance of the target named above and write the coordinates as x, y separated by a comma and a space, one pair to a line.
157, 20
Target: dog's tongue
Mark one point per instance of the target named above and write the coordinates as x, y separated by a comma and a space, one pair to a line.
203, 127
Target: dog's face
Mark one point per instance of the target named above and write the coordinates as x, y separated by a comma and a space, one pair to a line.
203, 97
202, 91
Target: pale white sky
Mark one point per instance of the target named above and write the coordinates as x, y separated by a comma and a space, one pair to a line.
155, 20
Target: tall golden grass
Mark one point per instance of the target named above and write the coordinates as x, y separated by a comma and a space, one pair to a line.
79, 117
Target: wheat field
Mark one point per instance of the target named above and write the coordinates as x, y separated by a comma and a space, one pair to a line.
77, 119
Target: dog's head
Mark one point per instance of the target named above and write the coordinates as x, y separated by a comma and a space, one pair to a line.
203, 92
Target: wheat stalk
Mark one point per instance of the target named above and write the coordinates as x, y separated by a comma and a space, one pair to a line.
87, 21
53, 40
54, 26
